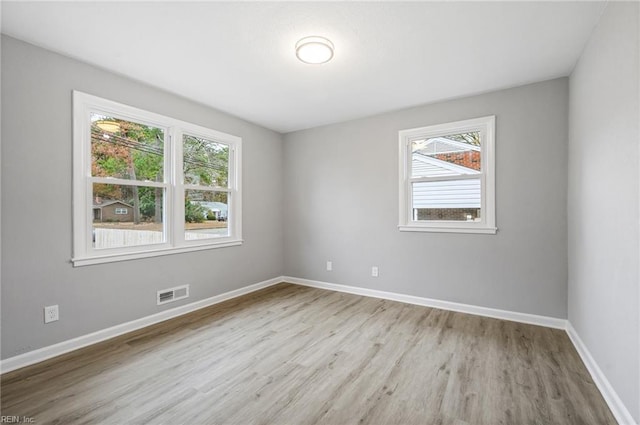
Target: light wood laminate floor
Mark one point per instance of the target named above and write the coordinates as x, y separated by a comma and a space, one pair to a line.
295, 355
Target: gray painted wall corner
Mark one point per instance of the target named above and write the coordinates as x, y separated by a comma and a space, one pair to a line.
341, 192
36, 177
604, 200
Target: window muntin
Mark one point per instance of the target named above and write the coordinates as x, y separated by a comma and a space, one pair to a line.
132, 182
447, 177
131, 151
205, 170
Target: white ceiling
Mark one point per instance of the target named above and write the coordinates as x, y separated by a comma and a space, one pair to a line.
239, 57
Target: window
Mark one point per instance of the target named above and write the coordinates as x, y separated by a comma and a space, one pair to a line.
147, 185
447, 177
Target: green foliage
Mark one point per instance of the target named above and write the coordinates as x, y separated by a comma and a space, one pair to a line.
147, 201
217, 197
112, 165
211, 215
470, 138
127, 150
193, 213
148, 166
134, 151
205, 162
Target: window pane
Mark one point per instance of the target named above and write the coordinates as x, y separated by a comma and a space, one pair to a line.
127, 216
450, 155
457, 200
126, 150
205, 214
205, 162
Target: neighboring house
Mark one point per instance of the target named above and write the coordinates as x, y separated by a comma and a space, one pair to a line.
446, 199
112, 210
219, 209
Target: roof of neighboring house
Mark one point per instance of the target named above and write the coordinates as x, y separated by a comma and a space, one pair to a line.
437, 145
456, 193
213, 206
427, 166
107, 203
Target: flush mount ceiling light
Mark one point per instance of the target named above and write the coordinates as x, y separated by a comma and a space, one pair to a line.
314, 50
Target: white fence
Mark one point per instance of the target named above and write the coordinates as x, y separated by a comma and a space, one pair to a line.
113, 238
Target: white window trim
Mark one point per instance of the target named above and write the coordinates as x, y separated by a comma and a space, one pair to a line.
83, 253
487, 224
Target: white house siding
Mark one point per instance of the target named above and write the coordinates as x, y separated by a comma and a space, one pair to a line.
447, 194
420, 168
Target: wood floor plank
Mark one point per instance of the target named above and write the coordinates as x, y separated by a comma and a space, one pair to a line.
295, 355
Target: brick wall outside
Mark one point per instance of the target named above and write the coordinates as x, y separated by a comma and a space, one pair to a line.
469, 159
456, 214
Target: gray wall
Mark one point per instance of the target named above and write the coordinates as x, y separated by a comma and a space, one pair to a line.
603, 200
36, 207
339, 203
341, 197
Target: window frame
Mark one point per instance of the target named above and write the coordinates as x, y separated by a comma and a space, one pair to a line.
487, 224
173, 184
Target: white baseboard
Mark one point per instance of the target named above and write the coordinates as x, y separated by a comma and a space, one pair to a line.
35, 356
41, 354
532, 319
610, 396
619, 410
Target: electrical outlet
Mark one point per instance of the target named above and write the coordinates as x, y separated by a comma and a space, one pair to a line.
329, 266
51, 313
374, 271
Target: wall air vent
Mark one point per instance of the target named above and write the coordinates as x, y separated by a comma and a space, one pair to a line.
172, 294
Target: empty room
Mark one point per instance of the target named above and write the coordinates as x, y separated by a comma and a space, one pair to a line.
332, 213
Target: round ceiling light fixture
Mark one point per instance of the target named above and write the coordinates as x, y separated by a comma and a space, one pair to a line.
314, 50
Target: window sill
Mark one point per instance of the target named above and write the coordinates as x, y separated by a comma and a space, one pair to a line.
112, 258
451, 229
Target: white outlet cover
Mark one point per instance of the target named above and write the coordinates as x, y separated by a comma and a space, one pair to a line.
329, 266
374, 271
51, 313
